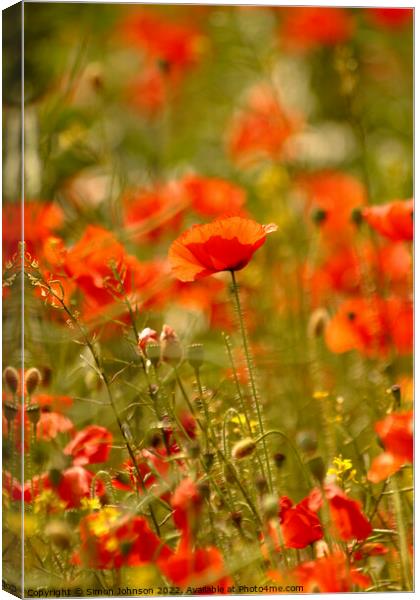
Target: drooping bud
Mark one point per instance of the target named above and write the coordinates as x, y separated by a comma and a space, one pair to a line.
317, 323
279, 459
171, 349
59, 533
317, 468
195, 355
261, 484
32, 380
11, 379
33, 412
243, 448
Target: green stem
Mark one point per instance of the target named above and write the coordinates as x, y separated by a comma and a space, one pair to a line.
251, 372
402, 536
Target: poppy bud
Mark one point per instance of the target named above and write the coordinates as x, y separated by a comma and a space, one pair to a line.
152, 350
307, 441
243, 448
270, 506
11, 378
194, 450
317, 468
171, 350
319, 215
10, 411
122, 477
229, 471
261, 484
204, 489
395, 390
317, 323
279, 459
208, 458
32, 380
155, 439
55, 476
59, 533
33, 412
146, 337
236, 517
195, 355
357, 216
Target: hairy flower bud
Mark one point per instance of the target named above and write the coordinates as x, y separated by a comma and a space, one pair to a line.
317, 323
171, 349
243, 448
317, 468
270, 506
32, 380
11, 378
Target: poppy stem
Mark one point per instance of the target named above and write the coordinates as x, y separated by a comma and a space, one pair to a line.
251, 372
402, 535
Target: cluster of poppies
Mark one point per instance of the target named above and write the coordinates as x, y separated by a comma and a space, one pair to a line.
217, 388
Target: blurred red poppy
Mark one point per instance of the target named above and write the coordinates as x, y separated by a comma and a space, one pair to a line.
201, 568
391, 18
224, 245
186, 502
346, 514
373, 326
261, 129
331, 197
152, 466
50, 424
393, 220
89, 446
212, 196
305, 28
396, 434
71, 485
330, 574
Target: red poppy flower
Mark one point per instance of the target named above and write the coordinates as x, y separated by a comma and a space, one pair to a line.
202, 568
393, 220
50, 424
151, 213
56, 403
89, 446
150, 91
309, 27
330, 574
12, 487
152, 466
261, 129
373, 326
334, 195
146, 336
396, 434
73, 484
370, 549
112, 539
300, 525
346, 515
391, 18
223, 245
211, 196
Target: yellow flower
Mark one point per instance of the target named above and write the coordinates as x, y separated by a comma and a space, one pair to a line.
104, 520
320, 394
240, 419
343, 469
90, 504
47, 501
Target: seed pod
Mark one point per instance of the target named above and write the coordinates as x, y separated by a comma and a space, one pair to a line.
279, 459
270, 506
319, 215
32, 380
33, 412
10, 411
243, 448
195, 355
317, 468
317, 323
171, 349
307, 441
152, 350
11, 379
229, 471
59, 533
261, 484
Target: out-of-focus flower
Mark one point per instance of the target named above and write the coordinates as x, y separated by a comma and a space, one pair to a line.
112, 539
330, 574
70, 485
373, 326
89, 446
51, 424
197, 568
396, 434
170, 346
261, 129
346, 515
223, 245
331, 197
146, 336
150, 213
152, 466
212, 196
370, 549
309, 27
186, 502
391, 18
393, 220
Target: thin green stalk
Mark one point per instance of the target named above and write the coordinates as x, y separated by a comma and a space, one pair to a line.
251, 372
402, 536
